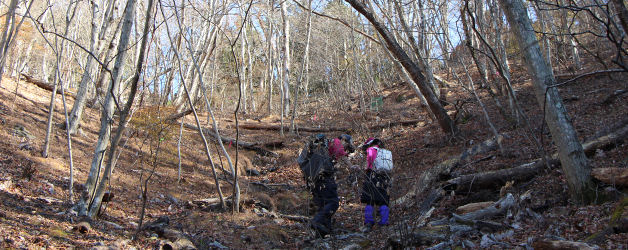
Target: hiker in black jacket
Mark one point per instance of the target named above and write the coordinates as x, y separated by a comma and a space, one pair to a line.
322, 184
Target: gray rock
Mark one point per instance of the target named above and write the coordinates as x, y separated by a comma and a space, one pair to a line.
217, 244
20, 131
252, 172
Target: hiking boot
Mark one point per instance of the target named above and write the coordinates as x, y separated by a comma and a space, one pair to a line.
320, 229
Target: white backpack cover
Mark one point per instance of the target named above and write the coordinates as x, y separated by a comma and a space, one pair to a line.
383, 160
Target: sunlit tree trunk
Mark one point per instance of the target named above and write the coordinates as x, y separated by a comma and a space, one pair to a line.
59, 47
97, 36
286, 57
445, 122
572, 158
106, 120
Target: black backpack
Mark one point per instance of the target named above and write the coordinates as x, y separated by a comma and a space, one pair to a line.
314, 159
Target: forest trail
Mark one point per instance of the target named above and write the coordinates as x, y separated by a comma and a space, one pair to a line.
507, 121
34, 189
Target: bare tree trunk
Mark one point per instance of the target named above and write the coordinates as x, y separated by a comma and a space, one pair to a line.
622, 12
286, 58
270, 59
106, 121
572, 158
68, 20
9, 21
189, 98
418, 77
125, 112
179, 151
242, 75
86, 80
306, 58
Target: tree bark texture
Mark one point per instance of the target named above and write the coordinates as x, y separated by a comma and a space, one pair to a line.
572, 157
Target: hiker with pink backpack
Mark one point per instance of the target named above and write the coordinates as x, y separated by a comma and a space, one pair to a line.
379, 165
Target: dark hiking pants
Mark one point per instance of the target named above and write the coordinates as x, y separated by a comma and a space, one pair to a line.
325, 196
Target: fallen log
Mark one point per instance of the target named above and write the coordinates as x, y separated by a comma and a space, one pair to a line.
174, 117
613, 176
431, 175
253, 126
497, 208
243, 144
561, 244
44, 85
497, 178
270, 185
471, 207
260, 126
527, 171
605, 141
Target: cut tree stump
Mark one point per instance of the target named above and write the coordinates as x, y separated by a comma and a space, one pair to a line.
246, 145
497, 208
472, 207
613, 176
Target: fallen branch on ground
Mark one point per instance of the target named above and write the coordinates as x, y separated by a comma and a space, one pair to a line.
243, 144
471, 207
498, 208
497, 178
585, 75
527, 171
44, 85
432, 175
270, 185
297, 218
604, 141
612, 176
614, 96
260, 126
560, 244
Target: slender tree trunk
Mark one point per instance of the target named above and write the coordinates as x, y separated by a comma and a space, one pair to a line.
68, 19
179, 151
106, 121
303, 67
445, 122
189, 99
86, 80
9, 21
286, 58
270, 70
250, 66
573, 160
125, 112
622, 12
